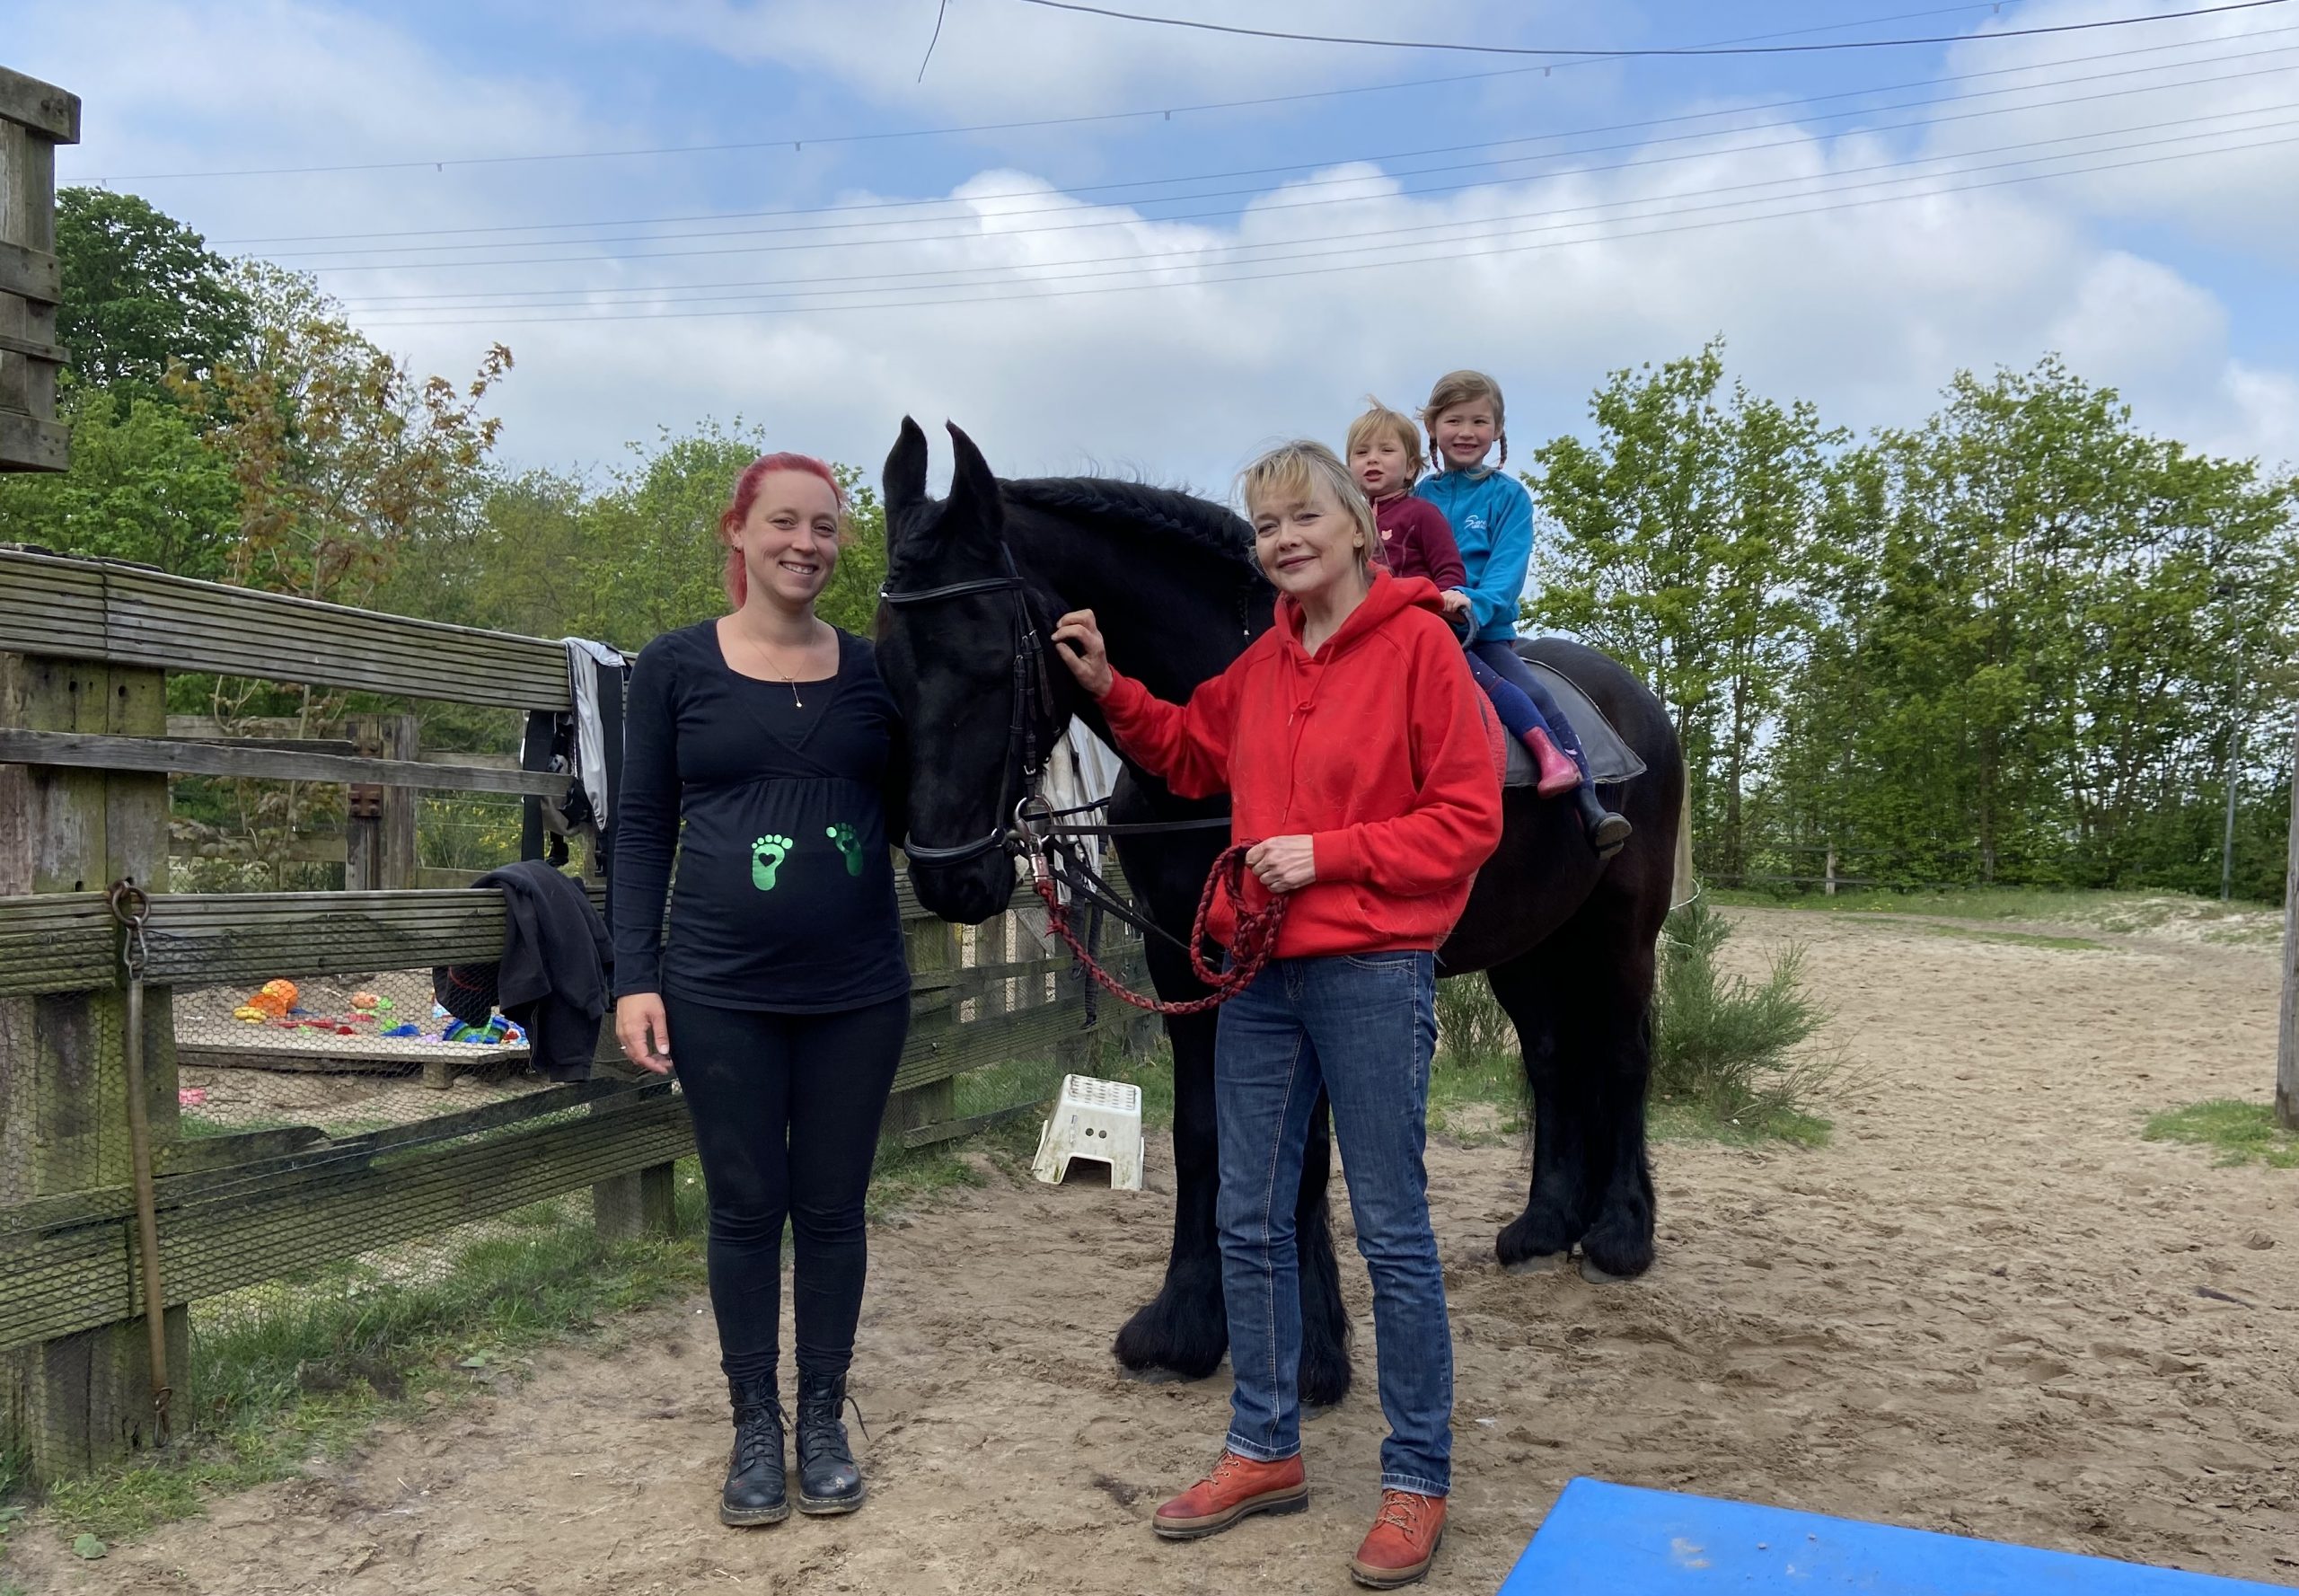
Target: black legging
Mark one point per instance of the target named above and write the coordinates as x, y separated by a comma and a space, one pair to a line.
786, 1110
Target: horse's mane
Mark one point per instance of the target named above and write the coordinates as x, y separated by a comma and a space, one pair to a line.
1158, 512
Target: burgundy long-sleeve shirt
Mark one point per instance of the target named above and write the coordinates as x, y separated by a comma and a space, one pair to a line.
1416, 541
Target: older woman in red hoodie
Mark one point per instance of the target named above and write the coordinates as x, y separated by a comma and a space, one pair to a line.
1366, 766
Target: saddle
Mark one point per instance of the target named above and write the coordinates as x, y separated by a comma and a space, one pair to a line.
1611, 761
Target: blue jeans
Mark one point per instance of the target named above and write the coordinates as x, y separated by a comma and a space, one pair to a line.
1363, 1027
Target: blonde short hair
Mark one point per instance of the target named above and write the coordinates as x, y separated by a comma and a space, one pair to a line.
1379, 418
1290, 472
1464, 387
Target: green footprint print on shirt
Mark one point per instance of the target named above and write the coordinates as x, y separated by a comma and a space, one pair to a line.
848, 844
766, 855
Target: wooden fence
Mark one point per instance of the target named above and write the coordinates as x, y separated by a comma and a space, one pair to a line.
34, 118
85, 755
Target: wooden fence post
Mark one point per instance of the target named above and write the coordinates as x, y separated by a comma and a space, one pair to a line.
2286, 1062
379, 824
933, 945
86, 1398
634, 1206
34, 118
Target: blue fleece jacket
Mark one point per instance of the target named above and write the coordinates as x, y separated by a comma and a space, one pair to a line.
1491, 517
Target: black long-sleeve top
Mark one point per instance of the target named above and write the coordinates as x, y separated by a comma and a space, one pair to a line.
785, 894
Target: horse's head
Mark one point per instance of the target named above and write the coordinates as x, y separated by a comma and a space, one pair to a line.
955, 617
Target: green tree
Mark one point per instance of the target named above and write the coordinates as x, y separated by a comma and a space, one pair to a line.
2027, 666
142, 296
142, 486
1682, 538
342, 456
547, 556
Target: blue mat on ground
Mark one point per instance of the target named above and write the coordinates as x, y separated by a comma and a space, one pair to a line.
1622, 1541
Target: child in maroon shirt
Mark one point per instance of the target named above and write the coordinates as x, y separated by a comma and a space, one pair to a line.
1384, 451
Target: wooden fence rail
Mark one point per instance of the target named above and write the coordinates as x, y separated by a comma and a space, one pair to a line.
85, 751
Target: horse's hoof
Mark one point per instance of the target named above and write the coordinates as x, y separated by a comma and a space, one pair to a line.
1545, 1262
1591, 1273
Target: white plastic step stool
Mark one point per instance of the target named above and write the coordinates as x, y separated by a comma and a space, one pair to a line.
1093, 1119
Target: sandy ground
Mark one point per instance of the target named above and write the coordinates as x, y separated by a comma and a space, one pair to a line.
1987, 1308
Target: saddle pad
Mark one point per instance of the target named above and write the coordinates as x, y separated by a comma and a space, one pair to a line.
1602, 1537
1611, 761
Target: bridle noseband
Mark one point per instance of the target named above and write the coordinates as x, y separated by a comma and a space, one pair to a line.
1032, 697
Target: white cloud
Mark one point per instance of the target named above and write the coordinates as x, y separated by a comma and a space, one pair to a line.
1866, 309
2216, 82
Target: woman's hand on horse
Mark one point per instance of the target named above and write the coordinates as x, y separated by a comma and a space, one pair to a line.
1079, 642
645, 1033
1283, 864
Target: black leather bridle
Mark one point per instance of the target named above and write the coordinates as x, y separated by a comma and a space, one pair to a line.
1033, 699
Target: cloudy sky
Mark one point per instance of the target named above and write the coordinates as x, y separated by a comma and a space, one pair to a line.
1099, 243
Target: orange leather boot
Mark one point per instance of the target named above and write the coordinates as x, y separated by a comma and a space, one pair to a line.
1237, 1487
1402, 1542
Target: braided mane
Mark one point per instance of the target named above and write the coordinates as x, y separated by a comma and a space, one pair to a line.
1140, 508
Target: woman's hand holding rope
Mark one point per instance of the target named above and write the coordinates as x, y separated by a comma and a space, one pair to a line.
1283, 864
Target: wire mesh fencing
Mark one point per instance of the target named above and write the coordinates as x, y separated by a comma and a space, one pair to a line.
366, 1190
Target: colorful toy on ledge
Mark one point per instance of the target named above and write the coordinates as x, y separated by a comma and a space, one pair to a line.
273, 999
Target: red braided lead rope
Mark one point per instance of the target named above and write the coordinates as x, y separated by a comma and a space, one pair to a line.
1255, 943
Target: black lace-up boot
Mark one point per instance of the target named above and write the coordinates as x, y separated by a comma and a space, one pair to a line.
828, 1480
756, 1492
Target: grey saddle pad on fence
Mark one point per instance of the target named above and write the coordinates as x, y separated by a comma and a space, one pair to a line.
1611, 761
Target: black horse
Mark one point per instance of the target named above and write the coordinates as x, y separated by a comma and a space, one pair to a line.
974, 583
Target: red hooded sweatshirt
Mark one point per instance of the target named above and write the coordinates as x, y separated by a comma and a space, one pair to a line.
1379, 746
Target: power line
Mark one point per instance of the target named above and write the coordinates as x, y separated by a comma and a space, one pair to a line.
472, 298
1452, 255
1196, 258
1085, 189
1633, 53
975, 232
798, 142
942, 6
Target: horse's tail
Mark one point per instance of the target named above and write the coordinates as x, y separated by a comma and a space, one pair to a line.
1684, 888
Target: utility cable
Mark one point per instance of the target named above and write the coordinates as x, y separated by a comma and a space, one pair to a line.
1645, 51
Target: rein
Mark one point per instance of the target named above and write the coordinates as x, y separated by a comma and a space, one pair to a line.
1254, 946
1031, 832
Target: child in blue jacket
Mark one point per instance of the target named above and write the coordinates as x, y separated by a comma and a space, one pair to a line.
1492, 517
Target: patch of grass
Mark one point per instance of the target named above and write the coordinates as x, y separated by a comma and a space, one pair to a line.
1688, 1121
2014, 938
2117, 912
1729, 1056
1477, 1082
2241, 1133
304, 1372
196, 1125
914, 1178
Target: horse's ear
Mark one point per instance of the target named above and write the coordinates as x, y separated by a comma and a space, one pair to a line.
904, 477
974, 503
